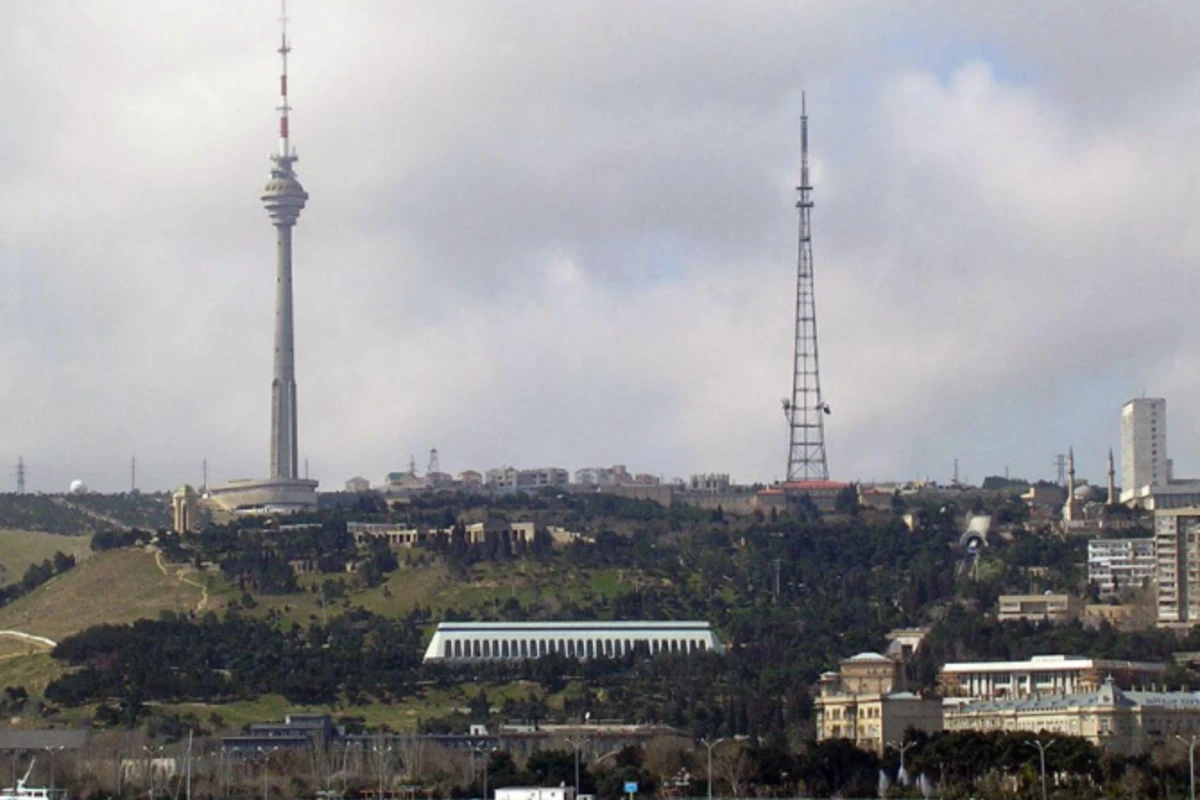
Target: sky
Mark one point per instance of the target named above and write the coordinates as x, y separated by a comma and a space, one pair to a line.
563, 234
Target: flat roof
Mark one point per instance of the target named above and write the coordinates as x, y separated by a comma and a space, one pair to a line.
601, 625
1052, 664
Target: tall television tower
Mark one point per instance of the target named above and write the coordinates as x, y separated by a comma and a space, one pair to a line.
284, 198
806, 411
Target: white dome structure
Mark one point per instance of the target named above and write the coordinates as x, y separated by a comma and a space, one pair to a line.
78, 487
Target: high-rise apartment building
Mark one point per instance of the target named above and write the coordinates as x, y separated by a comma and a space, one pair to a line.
1143, 446
1116, 564
1177, 547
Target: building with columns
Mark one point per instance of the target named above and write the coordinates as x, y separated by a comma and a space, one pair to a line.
507, 641
963, 682
1127, 722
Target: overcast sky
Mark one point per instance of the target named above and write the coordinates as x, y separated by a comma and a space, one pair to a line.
563, 233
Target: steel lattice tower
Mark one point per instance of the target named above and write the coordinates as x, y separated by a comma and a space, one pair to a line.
806, 410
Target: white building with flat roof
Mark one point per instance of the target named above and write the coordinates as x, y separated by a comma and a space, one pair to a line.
507, 641
1144, 462
1051, 674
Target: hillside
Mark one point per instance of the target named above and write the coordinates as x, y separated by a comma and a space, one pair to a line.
114, 587
19, 549
83, 514
541, 589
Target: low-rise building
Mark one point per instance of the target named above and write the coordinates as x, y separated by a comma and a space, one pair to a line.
358, 484
865, 701
543, 478
501, 529
1046, 607
1127, 722
1050, 674
711, 482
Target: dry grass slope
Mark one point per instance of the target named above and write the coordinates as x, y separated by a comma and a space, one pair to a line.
116, 587
19, 549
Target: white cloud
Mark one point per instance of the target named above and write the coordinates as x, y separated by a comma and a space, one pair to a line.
562, 233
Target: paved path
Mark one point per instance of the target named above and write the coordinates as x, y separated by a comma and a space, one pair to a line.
29, 637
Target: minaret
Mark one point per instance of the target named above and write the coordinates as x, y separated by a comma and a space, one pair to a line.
284, 198
1069, 508
805, 411
1112, 480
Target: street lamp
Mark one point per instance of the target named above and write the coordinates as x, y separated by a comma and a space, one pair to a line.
266, 762
381, 752
1042, 748
486, 753
151, 750
709, 747
1191, 743
903, 748
575, 745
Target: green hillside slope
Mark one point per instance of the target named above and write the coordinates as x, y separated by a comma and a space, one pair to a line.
19, 549
115, 587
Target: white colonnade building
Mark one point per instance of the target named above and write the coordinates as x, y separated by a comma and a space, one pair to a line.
507, 641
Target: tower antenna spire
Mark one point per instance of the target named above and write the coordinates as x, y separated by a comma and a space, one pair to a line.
806, 410
285, 149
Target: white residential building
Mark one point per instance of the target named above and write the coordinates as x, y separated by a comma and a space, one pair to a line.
1176, 545
1144, 462
1115, 564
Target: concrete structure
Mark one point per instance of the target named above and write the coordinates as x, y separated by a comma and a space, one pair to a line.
296, 732
1115, 564
1144, 462
824, 494
1176, 545
1127, 722
543, 478
500, 478
492, 641
865, 702
358, 484
615, 475
397, 536
505, 531
284, 198
185, 510
1050, 674
1047, 607
709, 482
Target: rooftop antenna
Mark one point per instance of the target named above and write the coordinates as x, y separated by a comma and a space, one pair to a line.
805, 411
1060, 465
434, 465
20, 474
